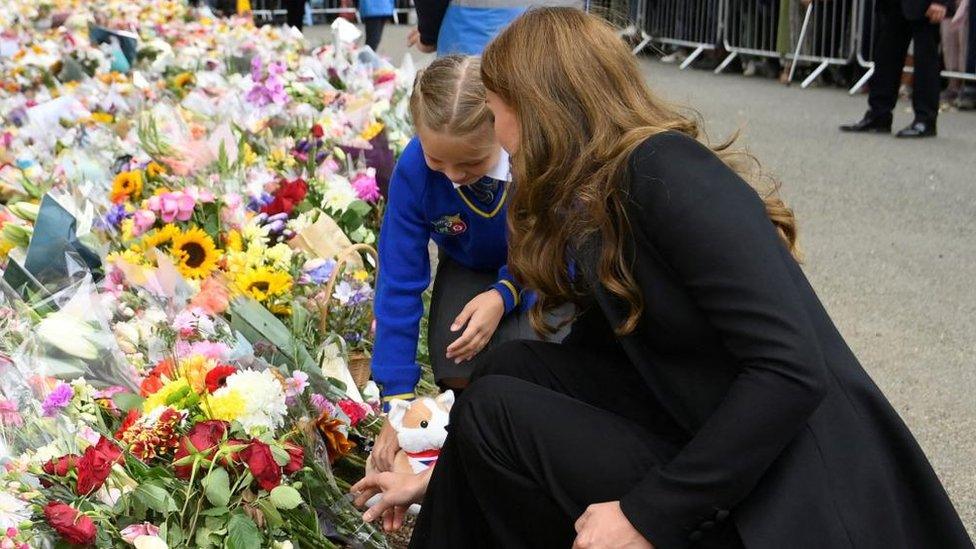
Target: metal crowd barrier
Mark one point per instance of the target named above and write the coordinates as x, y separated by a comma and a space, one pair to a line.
333, 7
827, 37
754, 27
693, 24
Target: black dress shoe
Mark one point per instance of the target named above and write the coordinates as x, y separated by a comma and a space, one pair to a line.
918, 129
869, 124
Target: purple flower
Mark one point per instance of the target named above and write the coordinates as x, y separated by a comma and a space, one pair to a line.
317, 271
256, 73
113, 217
257, 202
57, 400
322, 404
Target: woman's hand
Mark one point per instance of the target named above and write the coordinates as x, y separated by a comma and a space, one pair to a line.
413, 39
399, 491
385, 448
936, 13
482, 315
604, 525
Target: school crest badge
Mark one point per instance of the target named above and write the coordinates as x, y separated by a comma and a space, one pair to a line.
450, 225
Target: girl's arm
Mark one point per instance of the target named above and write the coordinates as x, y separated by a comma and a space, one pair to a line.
711, 229
509, 290
403, 276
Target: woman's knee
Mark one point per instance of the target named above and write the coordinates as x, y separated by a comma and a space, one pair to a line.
482, 400
515, 358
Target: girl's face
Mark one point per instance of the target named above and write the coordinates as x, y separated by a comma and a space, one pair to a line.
506, 122
464, 160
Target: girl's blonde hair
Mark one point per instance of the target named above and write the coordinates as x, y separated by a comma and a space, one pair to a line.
449, 97
583, 108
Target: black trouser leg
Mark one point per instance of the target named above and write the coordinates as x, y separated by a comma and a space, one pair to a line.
532, 459
894, 34
374, 31
296, 13
925, 92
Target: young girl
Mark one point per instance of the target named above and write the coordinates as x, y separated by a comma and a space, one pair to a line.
450, 186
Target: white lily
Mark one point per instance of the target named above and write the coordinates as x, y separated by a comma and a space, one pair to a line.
69, 334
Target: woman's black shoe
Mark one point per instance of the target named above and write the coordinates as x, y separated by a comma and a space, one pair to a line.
869, 124
918, 129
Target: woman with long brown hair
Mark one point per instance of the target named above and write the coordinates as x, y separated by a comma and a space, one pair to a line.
704, 397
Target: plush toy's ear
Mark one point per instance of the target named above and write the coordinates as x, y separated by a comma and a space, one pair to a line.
397, 410
446, 399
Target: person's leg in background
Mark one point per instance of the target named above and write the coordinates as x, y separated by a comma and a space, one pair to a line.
296, 13
374, 31
925, 94
894, 34
967, 98
954, 55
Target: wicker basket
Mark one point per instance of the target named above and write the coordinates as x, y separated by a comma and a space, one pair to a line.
358, 362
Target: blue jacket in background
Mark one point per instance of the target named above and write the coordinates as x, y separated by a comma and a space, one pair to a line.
424, 205
376, 8
466, 26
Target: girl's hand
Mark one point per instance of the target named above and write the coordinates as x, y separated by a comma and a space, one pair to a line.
399, 491
482, 315
385, 448
604, 525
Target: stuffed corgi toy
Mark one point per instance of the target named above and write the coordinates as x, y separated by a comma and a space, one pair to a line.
421, 427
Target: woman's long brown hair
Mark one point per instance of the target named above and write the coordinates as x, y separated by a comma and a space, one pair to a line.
583, 107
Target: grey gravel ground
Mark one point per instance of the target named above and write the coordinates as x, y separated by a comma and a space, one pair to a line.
889, 239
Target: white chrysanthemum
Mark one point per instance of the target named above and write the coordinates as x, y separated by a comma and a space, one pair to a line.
263, 395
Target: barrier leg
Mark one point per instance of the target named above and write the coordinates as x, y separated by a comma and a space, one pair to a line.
799, 43
691, 58
645, 40
813, 75
725, 62
864, 80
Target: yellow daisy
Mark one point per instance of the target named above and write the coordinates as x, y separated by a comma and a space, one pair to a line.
372, 131
263, 284
181, 80
195, 253
154, 169
233, 241
158, 239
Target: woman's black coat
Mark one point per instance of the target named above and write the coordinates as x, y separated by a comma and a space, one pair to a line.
781, 429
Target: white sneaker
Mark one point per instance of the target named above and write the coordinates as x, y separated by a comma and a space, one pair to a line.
674, 57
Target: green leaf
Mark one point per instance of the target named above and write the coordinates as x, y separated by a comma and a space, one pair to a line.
202, 538
271, 515
285, 497
128, 401
155, 497
242, 533
175, 536
281, 456
216, 486
214, 512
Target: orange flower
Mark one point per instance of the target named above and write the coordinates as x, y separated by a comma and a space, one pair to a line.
213, 297
126, 185
336, 443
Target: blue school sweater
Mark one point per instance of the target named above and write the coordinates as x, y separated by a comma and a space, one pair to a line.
423, 205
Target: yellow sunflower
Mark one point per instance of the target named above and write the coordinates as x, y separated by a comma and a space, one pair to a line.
233, 241
126, 185
182, 79
263, 283
158, 239
195, 253
154, 169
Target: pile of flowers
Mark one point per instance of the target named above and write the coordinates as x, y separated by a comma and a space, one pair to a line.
183, 201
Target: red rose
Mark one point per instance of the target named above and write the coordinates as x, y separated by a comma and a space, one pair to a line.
297, 456
150, 385
203, 437
216, 377
59, 467
261, 462
288, 195
96, 464
317, 131
73, 526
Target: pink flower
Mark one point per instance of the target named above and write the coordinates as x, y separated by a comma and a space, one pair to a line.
142, 220
200, 194
322, 404
365, 185
173, 206
130, 533
295, 385
9, 416
210, 349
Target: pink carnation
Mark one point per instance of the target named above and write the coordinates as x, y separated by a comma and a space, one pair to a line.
365, 186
